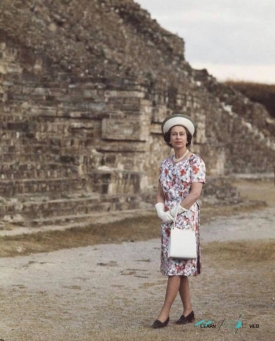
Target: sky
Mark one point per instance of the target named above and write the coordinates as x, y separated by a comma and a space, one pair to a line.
232, 39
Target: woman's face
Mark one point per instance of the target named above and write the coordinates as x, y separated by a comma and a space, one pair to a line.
178, 137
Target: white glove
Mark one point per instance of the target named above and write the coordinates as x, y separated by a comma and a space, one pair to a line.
164, 216
180, 210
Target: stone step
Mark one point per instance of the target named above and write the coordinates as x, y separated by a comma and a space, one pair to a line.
59, 220
47, 157
109, 182
68, 219
11, 188
54, 208
40, 141
47, 145
42, 211
26, 157
114, 181
32, 170
87, 220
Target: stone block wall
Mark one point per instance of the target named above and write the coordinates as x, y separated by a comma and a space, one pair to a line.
66, 141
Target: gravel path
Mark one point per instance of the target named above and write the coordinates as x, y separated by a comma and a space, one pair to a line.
114, 292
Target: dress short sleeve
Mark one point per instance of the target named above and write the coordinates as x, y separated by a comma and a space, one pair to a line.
198, 169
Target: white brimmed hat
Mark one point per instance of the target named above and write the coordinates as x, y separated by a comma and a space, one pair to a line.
178, 120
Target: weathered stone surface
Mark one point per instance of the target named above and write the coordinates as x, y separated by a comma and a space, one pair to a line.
84, 87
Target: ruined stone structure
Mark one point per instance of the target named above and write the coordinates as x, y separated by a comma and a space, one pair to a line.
84, 87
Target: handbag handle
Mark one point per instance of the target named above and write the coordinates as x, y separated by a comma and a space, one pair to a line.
174, 221
177, 209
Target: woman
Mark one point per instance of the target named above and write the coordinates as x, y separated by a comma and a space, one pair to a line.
180, 182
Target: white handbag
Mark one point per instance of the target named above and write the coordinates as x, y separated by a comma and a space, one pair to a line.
182, 243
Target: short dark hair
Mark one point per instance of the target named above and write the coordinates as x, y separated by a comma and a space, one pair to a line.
166, 137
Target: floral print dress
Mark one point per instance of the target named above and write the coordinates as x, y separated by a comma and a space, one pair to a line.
176, 180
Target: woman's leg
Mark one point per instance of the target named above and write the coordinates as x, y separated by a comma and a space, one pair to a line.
185, 295
172, 289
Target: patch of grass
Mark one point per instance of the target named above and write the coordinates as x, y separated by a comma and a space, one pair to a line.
127, 230
257, 190
242, 251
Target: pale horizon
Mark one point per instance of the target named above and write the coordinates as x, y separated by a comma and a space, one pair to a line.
239, 73
232, 39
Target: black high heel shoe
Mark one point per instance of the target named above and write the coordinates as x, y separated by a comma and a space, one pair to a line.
159, 324
186, 319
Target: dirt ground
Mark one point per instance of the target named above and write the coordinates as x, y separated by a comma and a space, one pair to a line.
103, 282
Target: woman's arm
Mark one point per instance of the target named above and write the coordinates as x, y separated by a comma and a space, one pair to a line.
164, 216
193, 196
160, 195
